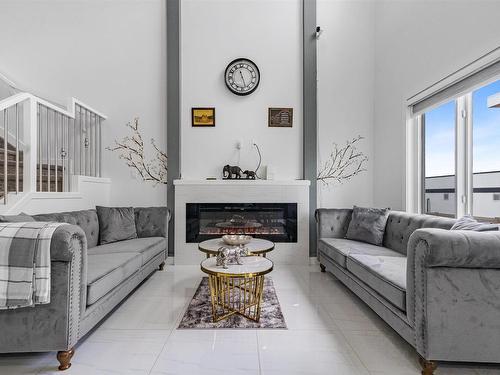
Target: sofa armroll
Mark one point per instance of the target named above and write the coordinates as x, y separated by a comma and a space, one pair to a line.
66, 240
53, 326
453, 294
332, 222
456, 248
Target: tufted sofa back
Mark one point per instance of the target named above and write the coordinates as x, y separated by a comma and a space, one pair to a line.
400, 226
86, 219
333, 223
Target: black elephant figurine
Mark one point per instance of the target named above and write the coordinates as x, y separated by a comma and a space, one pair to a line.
250, 174
231, 171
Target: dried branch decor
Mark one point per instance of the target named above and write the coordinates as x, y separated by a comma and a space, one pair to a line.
131, 149
343, 163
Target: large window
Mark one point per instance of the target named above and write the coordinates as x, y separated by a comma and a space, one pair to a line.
486, 154
459, 145
439, 164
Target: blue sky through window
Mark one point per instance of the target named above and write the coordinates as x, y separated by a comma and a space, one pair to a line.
486, 131
440, 140
440, 135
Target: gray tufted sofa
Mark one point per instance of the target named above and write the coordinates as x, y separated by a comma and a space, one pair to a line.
87, 281
439, 289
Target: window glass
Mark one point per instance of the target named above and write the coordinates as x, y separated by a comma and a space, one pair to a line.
486, 154
439, 161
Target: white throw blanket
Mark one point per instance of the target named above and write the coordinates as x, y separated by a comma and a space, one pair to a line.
25, 263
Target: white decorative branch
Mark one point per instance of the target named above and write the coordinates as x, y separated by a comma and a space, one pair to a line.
343, 163
131, 149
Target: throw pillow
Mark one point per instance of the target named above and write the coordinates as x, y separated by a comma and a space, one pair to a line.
116, 224
21, 218
368, 225
151, 221
469, 223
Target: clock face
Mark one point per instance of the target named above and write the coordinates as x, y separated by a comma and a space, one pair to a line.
242, 76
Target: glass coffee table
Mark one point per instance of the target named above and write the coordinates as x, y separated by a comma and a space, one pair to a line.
237, 289
257, 246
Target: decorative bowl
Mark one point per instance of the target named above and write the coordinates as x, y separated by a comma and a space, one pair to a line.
238, 220
236, 239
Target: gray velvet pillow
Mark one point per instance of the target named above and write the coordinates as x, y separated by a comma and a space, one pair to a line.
469, 223
116, 224
368, 225
21, 218
151, 221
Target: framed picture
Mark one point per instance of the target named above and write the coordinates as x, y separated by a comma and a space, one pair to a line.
203, 117
280, 117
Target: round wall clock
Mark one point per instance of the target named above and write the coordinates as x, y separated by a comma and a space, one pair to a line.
242, 76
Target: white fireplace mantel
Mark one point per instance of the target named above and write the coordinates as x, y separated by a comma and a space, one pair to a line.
243, 181
243, 191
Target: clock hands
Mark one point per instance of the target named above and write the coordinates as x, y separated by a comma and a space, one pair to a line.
243, 79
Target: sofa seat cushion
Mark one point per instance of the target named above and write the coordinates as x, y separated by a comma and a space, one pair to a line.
385, 274
339, 248
107, 271
148, 247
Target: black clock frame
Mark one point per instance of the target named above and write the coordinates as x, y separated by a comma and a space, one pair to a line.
229, 87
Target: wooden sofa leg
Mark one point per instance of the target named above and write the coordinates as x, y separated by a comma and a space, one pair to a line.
323, 268
64, 358
161, 266
428, 367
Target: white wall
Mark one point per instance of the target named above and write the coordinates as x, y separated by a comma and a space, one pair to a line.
109, 54
418, 43
213, 33
346, 57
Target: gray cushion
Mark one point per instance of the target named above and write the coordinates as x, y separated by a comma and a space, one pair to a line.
332, 222
21, 218
151, 221
116, 224
401, 225
385, 274
368, 225
85, 219
107, 271
147, 247
339, 248
467, 222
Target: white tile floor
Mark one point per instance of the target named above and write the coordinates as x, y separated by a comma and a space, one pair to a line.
329, 332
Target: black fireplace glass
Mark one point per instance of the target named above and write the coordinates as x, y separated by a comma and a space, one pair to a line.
276, 222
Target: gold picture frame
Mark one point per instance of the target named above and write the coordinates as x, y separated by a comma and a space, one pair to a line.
203, 117
280, 117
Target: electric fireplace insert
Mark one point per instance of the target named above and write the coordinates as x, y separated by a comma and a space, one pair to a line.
276, 222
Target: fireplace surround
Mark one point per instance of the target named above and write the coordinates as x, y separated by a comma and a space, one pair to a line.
276, 222
203, 207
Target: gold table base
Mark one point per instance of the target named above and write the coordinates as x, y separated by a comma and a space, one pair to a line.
236, 295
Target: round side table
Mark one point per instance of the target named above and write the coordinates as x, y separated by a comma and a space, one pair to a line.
237, 289
257, 246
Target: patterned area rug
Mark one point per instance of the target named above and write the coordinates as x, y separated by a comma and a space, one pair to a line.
199, 312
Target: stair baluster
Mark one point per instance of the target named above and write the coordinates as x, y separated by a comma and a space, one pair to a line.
17, 148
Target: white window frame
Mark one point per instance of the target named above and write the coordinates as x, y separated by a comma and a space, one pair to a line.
415, 153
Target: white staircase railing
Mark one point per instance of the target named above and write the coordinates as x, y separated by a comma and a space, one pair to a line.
43, 145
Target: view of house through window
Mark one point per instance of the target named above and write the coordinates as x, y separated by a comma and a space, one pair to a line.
439, 163
486, 154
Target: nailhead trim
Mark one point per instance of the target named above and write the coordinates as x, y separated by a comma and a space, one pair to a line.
76, 266
423, 331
